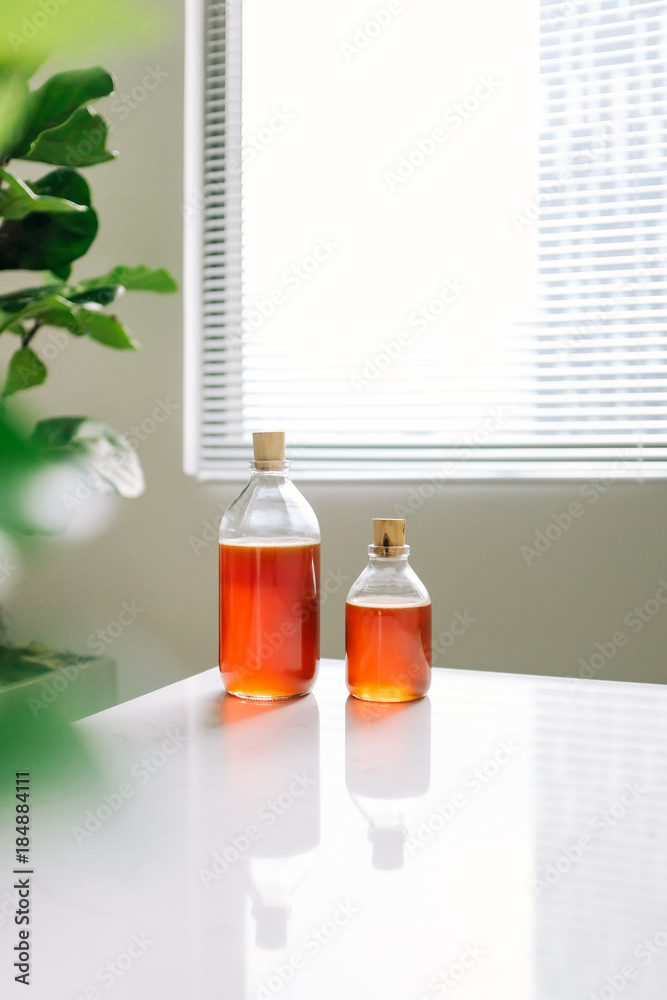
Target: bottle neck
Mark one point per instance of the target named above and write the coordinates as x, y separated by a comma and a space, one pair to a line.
270, 472
388, 555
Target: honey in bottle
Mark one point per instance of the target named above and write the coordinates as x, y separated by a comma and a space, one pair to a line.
269, 582
388, 622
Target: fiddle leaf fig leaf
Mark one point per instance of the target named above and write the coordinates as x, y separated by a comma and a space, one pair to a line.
105, 329
46, 240
141, 279
104, 456
17, 200
13, 100
102, 296
25, 370
14, 302
49, 311
56, 310
55, 102
78, 142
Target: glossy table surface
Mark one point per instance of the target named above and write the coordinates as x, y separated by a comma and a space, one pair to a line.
505, 838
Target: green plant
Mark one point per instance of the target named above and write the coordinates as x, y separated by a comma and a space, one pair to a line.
46, 225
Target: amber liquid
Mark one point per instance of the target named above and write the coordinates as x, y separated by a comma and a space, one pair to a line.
269, 619
388, 651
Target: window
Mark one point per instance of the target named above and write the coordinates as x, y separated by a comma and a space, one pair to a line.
427, 239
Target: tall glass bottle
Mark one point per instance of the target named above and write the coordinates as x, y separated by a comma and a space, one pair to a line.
388, 622
269, 582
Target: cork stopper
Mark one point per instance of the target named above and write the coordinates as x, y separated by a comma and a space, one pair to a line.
268, 447
388, 533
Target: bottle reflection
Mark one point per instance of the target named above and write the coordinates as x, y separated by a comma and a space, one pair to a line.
387, 769
271, 775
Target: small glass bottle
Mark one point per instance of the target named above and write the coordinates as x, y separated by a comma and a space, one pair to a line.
388, 622
269, 582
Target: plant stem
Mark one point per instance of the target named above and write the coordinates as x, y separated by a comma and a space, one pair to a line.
30, 333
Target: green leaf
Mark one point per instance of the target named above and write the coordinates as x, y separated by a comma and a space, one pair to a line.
140, 279
105, 329
19, 462
45, 241
101, 296
57, 99
79, 142
50, 311
94, 448
25, 370
55, 310
14, 302
13, 101
17, 200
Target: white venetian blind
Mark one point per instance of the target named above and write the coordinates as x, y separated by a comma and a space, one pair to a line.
431, 237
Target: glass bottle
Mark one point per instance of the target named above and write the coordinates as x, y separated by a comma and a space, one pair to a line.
269, 582
388, 622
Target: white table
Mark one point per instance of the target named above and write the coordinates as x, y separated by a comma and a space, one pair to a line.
519, 846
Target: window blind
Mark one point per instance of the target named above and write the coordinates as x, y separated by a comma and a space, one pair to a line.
428, 242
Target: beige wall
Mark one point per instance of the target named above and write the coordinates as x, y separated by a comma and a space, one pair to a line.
466, 540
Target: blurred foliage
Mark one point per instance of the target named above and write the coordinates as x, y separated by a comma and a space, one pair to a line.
46, 225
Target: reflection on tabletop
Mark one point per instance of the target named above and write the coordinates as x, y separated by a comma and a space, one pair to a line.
270, 770
387, 769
